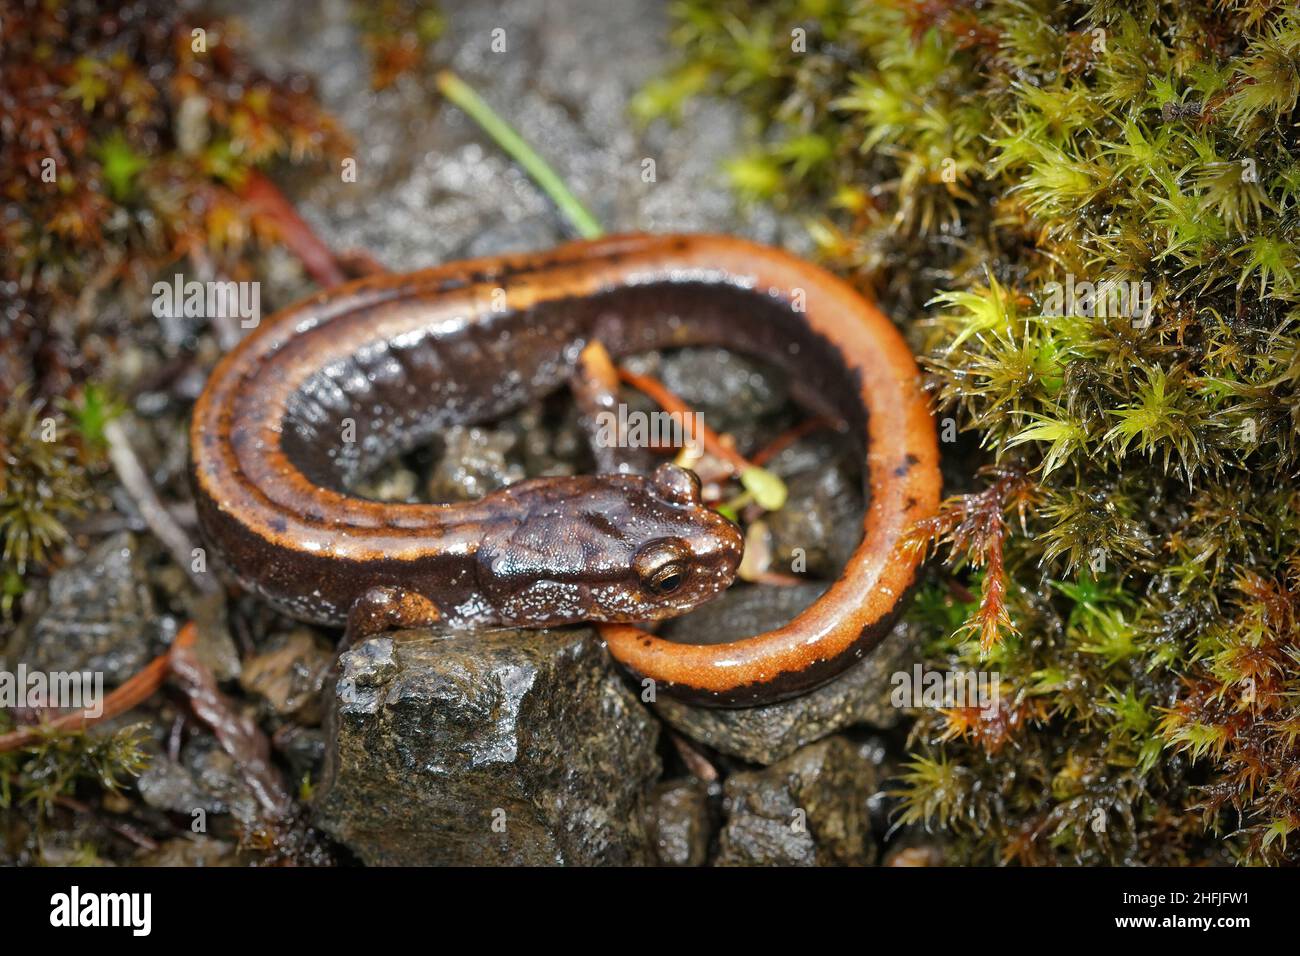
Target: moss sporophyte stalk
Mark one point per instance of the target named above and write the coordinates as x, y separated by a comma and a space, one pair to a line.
1084, 215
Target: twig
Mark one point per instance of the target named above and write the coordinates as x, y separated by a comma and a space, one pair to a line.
239, 736
138, 688
125, 830
155, 514
223, 322
358, 263
460, 93
174, 739
594, 387
670, 403
778, 579
788, 438
267, 200
768, 490
103, 523
699, 765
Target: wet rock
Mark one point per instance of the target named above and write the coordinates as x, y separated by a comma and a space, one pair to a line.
214, 647
740, 611
807, 810
546, 446
218, 775
809, 453
392, 482
729, 389
100, 616
564, 82
882, 804
505, 747
679, 823
168, 785
770, 732
193, 850
303, 748
204, 779
474, 462
820, 525
288, 673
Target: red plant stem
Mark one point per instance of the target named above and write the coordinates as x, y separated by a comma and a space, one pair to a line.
358, 262
138, 688
778, 579
670, 403
236, 732
788, 438
696, 762
266, 199
125, 830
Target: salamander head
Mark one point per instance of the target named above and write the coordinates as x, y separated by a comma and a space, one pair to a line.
608, 548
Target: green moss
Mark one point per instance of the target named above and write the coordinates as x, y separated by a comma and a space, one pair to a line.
126, 140
36, 780
51, 767
120, 164
958, 159
43, 484
90, 412
397, 34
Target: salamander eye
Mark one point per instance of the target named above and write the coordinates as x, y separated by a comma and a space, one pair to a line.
668, 580
662, 565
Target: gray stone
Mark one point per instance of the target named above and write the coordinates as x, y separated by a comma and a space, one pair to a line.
168, 785
392, 482
100, 616
770, 732
822, 519
474, 462
728, 389
821, 522
433, 187
808, 810
288, 672
546, 447
194, 850
741, 610
205, 778
214, 647
679, 823
505, 747
810, 453
303, 748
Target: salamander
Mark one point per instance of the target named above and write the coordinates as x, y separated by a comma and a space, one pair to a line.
327, 389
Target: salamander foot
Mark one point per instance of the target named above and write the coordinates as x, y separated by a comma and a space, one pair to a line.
385, 609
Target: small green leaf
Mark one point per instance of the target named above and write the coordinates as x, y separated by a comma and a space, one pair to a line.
768, 490
755, 176
95, 409
120, 164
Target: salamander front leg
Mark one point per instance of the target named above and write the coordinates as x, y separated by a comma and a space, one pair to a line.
385, 609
